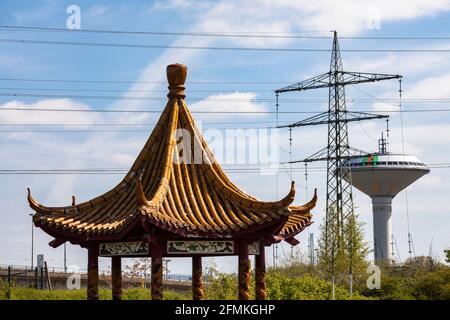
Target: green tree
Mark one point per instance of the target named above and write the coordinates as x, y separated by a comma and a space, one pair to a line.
341, 248
330, 244
356, 248
220, 286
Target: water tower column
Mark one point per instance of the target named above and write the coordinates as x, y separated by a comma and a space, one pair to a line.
382, 209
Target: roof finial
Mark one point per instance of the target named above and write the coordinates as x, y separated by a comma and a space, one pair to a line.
176, 76
31, 201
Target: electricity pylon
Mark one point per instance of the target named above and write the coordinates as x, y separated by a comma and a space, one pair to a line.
339, 205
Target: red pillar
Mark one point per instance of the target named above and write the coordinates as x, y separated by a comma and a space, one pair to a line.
244, 270
92, 285
157, 271
197, 281
260, 274
116, 275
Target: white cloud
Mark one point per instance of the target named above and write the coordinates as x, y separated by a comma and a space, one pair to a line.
425, 76
155, 71
351, 16
404, 64
237, 101
347, 16
181, 5
383, 107
41, 12
429, 135
430, 88
122, 159
97, 11
428, 182
42, 117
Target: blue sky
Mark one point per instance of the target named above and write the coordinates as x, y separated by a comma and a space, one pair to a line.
426, 76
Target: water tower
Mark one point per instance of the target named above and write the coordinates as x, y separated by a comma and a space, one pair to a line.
382, 176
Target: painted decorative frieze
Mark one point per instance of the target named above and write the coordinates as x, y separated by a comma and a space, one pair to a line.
253, 248
200, 247
123, 249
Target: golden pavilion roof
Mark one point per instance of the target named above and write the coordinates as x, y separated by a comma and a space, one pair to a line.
183, 197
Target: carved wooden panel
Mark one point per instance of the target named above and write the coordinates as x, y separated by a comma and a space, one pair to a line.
123, 249
253, 248
200, 247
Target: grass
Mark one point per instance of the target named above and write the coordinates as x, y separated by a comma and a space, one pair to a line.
19, 293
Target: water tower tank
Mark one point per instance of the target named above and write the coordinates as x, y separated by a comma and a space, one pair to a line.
382, 176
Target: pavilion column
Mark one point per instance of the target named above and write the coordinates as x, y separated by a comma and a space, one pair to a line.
197, 281
116, 275
157, 271
260, 274
244, 270
92, 285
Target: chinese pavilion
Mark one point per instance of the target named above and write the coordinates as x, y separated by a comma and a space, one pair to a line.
165, 207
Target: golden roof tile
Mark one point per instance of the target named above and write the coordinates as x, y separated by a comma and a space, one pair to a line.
196, 197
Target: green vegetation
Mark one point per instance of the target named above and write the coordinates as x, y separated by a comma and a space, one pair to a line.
420, 278
430, 286
21, 293
308, 287
295, 281
342, 249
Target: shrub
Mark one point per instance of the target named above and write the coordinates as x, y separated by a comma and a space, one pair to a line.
421, 286
279, 287
307, 287
5, 290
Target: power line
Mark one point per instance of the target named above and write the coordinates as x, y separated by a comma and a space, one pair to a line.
111, 172
244, 34
110, 130
131, 82
13, 130
143, 111
119, 124
165, 33
154, 46
124, 170
378, 99
366, 132
230, 100
70, 131
37, 95
203, 112
180, 47
123, 90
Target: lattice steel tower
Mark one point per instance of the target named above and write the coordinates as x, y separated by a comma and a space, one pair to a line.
339, 202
